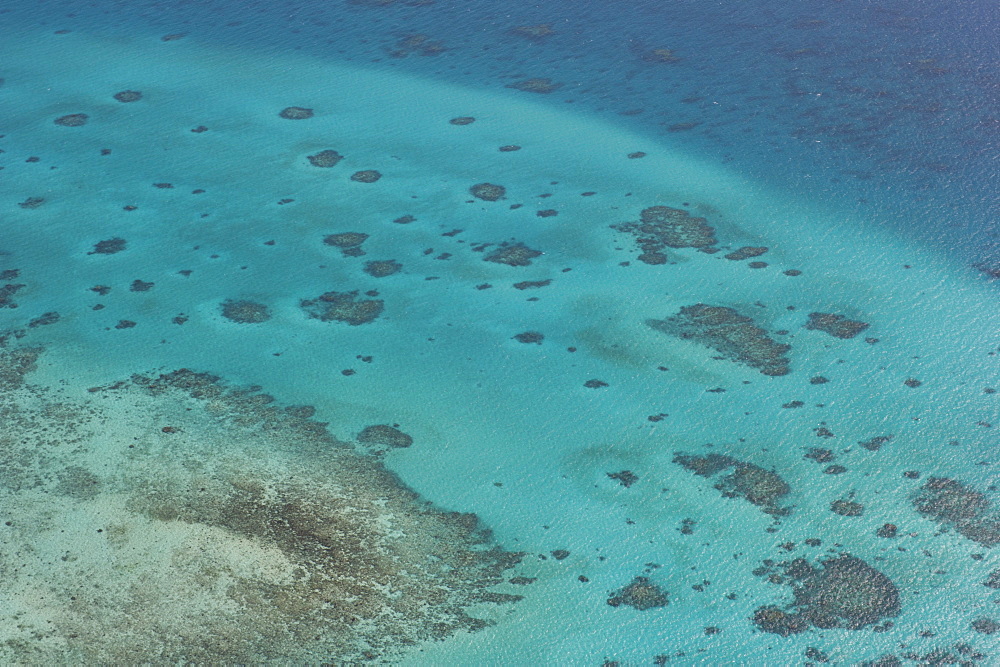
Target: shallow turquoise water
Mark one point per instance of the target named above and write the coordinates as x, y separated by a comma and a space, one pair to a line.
566, 397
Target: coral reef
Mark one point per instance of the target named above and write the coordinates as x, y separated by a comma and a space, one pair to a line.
326, 158
763, 488
383, 434
343, 307
846, 592
732, 335
128, 96
245, 312
108, 246
32, 202
847, 508
641, 594
837, 326
512, 254
7, 293
366, 176
296, 113
624, 477
488, 191
776, 621
746, 252
15, 364
382, 268
875, 444
970, 512
346, 239
662, 227
242, 532
529, 337
72, 120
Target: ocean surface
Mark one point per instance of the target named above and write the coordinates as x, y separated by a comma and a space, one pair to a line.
449, 333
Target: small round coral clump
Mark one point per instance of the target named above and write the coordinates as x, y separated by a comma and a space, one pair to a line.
488, 191
366, 176
72, 120
382, 268
128, 96
327, 158
346, 239
383, 434
641, 594
343, 307
296, 113
245, 312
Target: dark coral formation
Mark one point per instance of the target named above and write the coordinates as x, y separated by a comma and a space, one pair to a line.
383, 434
7, 293
366, 176
837, 326
874, 444
108, 246
32, 202
986, 626
488, 191
245, 312
532, 284
343, 307
779, 622
72, 120
887, 531
530, 337
847, 508
746, 252
128, 96
346, 239
382, 268
513, 254
764, 488
662, 227
732, 335
15, 364
845, 593
624, 477
641, 594
542, 85
326, 158
970, 512
44, 319
296, 113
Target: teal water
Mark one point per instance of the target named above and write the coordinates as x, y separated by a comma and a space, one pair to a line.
651, 480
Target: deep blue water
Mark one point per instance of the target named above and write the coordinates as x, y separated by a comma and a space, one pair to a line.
889, 108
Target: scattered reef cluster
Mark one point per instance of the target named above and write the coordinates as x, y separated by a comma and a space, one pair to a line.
729, 333
763, 488
311, 582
